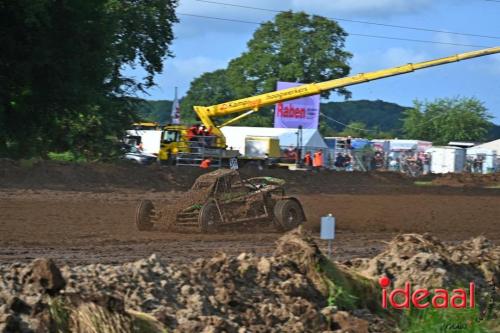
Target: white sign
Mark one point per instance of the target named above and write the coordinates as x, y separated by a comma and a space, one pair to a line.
233, 163
328, 227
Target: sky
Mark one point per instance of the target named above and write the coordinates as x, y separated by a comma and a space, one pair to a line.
203, 45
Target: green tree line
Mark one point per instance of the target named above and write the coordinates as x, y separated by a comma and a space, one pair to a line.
380, 119
63, 88
62, 85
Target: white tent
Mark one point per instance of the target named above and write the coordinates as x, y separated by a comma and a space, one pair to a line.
493, 145
487, 156
235, 136
418, 145
490, 152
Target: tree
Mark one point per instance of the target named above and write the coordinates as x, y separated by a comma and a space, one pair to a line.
208, 89
155, 111
355, 129
295, 47
447, 119
61, 80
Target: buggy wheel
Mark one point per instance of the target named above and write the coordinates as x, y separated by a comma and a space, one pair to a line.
144, 215
209, 217
288, 214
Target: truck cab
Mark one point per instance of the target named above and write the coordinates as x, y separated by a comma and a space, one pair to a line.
173, 140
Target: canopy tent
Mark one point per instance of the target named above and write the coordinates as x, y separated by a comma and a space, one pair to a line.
359, 143
418, 145
488, 158
235, 136
493, 145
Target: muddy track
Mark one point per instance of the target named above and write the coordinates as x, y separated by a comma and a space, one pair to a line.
84, 213
91, 227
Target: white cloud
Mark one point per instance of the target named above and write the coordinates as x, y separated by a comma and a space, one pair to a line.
195, 66
397, 56
192, 26
364, 7
179, 72
391, 57
449, 39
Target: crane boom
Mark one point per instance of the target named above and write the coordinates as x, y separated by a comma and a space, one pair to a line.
249, 104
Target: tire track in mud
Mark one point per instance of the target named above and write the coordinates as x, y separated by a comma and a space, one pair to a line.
96, 226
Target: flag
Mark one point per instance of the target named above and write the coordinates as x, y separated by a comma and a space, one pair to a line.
175, 115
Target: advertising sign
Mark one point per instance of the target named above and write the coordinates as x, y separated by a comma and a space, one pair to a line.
298, 112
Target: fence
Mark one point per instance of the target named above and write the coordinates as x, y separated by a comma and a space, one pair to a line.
193, 152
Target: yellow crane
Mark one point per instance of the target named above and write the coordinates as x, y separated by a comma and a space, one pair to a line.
250, 105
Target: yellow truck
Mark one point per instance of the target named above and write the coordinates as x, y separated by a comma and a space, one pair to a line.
175, 138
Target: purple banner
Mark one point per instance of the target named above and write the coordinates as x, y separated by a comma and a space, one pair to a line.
302, 111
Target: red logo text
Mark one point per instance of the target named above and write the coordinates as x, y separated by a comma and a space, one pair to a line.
403, 298
290, 112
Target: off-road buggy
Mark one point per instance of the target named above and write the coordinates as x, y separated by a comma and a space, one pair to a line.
222, 198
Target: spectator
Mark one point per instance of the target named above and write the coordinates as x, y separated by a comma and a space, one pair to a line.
192, 132
478, 164
201, 130
209, 138
318, 160
348, 142
291, 154
205, 164
348, 162
339, 161
308, 161
426, 161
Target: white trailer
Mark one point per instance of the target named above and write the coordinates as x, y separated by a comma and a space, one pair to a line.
150, 139
447, 159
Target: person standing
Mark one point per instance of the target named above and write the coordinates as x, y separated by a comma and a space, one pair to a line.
318, 160
348, 142
192, 132
308, 161
205, 164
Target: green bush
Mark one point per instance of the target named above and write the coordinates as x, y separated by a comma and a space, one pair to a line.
66, 156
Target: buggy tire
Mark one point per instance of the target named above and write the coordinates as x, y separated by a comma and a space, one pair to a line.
288, 214
144, 215
209, 218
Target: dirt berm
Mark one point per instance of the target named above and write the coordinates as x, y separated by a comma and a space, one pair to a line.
295, 290
110, 176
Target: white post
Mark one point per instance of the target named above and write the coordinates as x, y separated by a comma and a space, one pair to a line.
328, 232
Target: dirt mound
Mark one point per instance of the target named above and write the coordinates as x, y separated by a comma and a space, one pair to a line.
245, 293
425, 262
468, 180
107, 176
295, 290
93, 176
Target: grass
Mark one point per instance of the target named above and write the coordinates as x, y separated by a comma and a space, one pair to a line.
423, 183
348, 291
66, 156
60, 315
432, 320
92, 318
